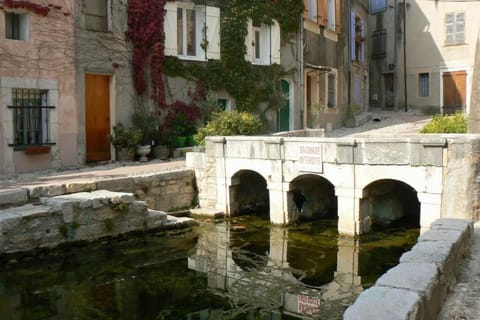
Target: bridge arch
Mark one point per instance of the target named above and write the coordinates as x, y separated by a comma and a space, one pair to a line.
310, 197
389, 201
248, 194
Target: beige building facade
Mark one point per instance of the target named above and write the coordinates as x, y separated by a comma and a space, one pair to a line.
38, 128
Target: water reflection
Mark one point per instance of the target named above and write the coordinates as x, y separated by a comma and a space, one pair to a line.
239, 269
300, 272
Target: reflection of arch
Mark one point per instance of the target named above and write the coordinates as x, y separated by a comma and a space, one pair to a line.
390, 201
249, 194
311, 197
250, 249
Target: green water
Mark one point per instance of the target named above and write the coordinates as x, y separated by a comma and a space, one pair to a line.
239, 269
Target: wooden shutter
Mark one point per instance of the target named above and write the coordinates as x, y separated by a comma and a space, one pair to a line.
275, 41
460, 28
450, 28
338, 16
213, 33
170, 28
363, 44
322, 12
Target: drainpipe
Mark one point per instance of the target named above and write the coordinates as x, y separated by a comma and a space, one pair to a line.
302, 75
405, 52
349, 45
395, 56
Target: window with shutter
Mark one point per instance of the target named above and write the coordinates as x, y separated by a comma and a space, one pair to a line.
192, 32
263, 43
454, 28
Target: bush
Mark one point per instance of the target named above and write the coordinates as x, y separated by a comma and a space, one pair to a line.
456, 123
230, 123
123, 137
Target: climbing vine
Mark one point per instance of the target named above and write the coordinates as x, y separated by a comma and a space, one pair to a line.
30, 6
145, 32
247, 83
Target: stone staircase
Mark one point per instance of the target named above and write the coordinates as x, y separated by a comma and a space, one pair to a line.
83, 216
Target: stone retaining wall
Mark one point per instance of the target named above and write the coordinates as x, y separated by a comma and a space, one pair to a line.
165, 191
417, 287
84, 216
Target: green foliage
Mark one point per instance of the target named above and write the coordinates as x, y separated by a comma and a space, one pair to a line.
119, 206
228, 123
248, 84
147, 123
108, 223
123, 137
456, 123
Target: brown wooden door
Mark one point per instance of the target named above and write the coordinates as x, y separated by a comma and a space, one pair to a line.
454, 91
97, 116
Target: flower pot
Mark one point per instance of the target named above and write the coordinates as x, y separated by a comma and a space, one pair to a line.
143, 151
161, 152
125, 154
190, 141
180, 142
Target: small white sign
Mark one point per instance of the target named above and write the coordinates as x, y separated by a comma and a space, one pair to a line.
310, 158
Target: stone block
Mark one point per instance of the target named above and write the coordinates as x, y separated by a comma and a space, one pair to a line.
15, 196
120, 184
81, 187
423, 278
345, 152
380, 303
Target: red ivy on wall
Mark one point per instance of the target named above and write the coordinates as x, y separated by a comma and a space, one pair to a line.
145, 31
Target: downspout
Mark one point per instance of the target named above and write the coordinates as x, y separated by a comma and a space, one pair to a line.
349, 55
302, 76
395, 57
405, 52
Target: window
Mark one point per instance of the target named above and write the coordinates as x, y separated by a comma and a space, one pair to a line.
30, 116
263, 43
454, 28
332, 90
192, 32
96, 15
357, 38
377, 6
16, 26
379, 44
423, 84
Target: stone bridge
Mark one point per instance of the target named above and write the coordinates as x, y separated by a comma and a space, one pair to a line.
362, 181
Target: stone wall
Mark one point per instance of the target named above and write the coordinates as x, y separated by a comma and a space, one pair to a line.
167, 191
83, 216
417, 287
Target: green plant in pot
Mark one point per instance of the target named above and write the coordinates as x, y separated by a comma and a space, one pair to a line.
124, 140
147, 123
180, 122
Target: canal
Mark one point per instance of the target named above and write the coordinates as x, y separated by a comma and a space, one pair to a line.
242, 268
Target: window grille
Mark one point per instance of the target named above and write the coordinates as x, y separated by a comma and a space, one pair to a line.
31, 117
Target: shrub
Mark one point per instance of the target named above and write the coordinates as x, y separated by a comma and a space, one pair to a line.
123, 137
230, 123
456, 123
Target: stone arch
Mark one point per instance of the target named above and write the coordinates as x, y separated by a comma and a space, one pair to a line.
311, 196
387, 202
248, 194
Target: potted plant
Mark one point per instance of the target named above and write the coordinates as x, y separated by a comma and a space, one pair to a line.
147, 123
180, 123
124, 140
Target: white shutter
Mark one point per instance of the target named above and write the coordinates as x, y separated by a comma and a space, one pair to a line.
460, 28
200, 16
170, 28
450, 28
265, 45
213, 33
275, 41
248, 42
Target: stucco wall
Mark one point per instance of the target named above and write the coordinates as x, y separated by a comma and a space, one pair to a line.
42, 61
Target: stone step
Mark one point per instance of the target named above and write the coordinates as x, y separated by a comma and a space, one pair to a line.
83, 216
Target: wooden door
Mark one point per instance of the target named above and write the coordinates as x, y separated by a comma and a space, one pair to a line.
454, 91
97, 116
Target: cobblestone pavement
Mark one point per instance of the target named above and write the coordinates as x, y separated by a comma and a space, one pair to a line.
463, 301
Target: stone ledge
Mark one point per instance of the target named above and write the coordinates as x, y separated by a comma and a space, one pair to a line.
85, 216
205, 212
417, 287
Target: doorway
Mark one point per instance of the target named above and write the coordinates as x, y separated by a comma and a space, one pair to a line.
97, 117
284, 113
454, 91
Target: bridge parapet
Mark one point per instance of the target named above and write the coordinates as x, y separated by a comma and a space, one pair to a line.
430, 164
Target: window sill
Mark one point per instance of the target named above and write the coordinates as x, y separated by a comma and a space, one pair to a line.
455, 44
188, 58
330, 34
